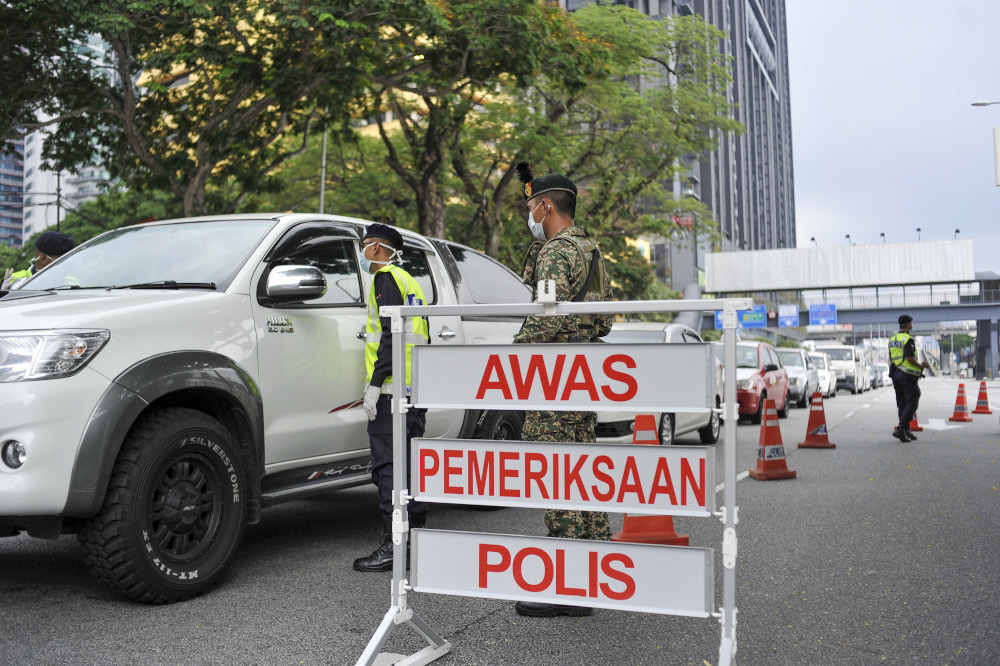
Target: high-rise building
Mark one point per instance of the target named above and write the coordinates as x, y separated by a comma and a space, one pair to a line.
11, 189
747, 182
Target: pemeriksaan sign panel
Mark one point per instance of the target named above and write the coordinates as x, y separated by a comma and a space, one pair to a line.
639, 479
645, 578
566, 377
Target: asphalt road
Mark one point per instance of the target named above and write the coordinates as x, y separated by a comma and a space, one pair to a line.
878, 553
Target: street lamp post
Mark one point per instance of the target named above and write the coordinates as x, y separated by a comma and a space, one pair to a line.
848, 237
996, 142
957, 231
813, 241
882, 236
918, 234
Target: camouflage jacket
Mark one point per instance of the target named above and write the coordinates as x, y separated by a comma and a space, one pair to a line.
560, 259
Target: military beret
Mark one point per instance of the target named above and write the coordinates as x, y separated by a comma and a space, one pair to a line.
385, 232
549, 183
905, 319
53, 243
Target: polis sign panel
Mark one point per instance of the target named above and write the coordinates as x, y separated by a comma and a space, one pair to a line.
645, 578
569, 476
565, 377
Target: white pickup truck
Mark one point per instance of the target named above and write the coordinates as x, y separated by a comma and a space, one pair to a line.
163, 382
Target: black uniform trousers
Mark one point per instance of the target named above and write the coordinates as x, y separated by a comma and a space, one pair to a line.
380, 441
907, 396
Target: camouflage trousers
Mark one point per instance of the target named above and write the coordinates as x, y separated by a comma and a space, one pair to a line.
568, 427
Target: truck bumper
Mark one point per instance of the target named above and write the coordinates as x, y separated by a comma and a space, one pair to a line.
48, 417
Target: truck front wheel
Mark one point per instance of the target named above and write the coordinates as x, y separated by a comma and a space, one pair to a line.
173, 513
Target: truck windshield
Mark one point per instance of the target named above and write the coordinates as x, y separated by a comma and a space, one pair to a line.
206, 254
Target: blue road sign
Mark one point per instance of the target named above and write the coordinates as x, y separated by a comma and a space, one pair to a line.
823, 314
756, 318
788, 315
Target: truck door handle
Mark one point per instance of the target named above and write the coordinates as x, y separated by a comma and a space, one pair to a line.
446, 334
362, 336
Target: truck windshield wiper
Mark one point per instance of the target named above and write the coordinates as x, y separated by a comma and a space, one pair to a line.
166, 284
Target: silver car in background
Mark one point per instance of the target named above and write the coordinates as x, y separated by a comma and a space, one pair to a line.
827, 375
803, 379
618, 426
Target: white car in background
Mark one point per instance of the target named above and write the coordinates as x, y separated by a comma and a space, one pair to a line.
618, 426
827, 375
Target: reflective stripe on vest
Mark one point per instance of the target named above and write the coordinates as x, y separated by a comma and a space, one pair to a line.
897, 346
417, 330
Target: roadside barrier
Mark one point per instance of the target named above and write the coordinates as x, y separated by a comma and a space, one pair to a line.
983, 403
816, 434
961, 407
572, 476
771, 464
649, 529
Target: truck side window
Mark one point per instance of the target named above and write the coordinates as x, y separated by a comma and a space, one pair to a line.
488, 281
415, 263
336, 259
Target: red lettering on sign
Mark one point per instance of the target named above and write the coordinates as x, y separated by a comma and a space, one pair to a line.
538, 476
555, 476
480, 475
604, 478
687, 474
561, 577
573, 476
662, 483
592, 574
493, 367
508, 473
537, 365
586, 384
615, 375
450, 470
425, 469
620, 576
485, 567
519, 563
631, 482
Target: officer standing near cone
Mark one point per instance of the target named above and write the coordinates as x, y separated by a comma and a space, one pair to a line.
906, 371
562, 252
391, 285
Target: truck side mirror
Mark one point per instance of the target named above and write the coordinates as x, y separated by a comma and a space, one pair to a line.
295, 283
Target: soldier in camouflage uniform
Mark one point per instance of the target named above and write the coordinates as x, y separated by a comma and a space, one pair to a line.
567, 256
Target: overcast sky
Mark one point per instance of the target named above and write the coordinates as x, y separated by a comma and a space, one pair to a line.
884, 137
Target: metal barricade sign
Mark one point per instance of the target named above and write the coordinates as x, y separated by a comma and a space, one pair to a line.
594, 377
670, 580
639, 479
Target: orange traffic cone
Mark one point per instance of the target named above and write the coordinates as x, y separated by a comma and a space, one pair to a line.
914, 426
649, 529
961, 408
816, 436
771, 452
983, 403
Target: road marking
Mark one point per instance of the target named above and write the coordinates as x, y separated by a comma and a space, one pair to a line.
739, 477
849, 415
939, 424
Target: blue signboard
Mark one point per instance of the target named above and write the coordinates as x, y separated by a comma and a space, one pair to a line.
823, 314
756, 318
788, 315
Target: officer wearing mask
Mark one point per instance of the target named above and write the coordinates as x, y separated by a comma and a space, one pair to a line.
391, 285
562, 252
49, 246
906, 371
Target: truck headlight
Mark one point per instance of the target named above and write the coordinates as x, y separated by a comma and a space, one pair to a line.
29, 355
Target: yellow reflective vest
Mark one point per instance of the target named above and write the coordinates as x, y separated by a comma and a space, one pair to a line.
897, 347
416, 331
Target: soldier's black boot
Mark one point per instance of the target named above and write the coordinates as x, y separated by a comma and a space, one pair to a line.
381, 559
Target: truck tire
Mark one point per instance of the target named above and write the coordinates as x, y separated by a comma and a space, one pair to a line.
172, 517
500, 425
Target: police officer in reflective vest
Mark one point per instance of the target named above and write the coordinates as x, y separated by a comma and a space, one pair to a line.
563, 253
49, 246
906, 371
391, 285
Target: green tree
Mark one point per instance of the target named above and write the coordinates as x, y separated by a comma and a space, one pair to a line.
189, 93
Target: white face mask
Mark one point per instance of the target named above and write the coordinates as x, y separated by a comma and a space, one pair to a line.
536, 227
366, 263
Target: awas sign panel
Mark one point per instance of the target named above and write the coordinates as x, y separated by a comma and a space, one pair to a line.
585, 377
590, 477
670, 580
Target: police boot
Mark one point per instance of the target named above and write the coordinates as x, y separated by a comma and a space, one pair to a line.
381, 559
